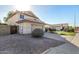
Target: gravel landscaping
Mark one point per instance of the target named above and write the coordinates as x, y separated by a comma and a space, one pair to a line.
25, 44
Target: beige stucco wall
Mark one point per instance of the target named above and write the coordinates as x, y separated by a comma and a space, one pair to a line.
31, 18
12, 20
16, 17
28, 17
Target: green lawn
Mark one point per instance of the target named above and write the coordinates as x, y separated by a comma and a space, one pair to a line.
65, 33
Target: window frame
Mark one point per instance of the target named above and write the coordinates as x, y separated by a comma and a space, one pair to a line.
21, 16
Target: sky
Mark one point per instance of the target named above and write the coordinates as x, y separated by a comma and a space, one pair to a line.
4, 9
56, 14
51, 14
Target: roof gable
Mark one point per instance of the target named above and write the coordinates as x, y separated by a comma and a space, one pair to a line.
28, 13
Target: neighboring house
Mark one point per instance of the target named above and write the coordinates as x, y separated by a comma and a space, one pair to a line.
61, 26
24, 22
77, 29
57, 26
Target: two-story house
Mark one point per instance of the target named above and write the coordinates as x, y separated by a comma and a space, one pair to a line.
24, 22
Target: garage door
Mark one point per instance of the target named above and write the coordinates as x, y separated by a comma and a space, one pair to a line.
37, 26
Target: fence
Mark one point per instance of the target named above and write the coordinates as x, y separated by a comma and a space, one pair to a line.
4, 29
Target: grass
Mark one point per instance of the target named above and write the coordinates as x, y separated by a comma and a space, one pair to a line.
65, 33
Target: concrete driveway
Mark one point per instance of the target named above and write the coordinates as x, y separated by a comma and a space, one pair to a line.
66, 48
55, 36
70, 47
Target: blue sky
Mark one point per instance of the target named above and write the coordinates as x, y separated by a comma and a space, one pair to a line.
55, 14
52, 14
4, 9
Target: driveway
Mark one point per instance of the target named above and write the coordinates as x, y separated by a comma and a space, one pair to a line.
55, 36
66, 48
71, 47
25, 44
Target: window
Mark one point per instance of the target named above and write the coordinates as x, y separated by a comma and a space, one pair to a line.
21, 16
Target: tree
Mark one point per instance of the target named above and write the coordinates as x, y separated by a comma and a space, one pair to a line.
70, 29
0, 21
4, 19
10, 13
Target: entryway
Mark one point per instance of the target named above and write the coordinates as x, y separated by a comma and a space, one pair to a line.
13, 29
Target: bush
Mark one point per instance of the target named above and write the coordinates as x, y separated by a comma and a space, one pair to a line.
51, 30
71, 29
37, 33
62, 34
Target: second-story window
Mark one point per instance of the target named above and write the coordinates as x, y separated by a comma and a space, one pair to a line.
21, 16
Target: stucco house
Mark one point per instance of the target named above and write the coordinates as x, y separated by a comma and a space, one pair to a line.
24, 22
77, 29
60, 26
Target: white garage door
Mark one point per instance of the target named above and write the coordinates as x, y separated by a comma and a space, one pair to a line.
25, 28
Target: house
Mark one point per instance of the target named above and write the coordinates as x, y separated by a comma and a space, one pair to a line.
77, 29
61, 26
24, 22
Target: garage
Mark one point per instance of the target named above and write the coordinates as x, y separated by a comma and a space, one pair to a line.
24, 28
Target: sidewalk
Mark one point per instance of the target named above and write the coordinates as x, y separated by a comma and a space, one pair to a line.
74, 40
66, 48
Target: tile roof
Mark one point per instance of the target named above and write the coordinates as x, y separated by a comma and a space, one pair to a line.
29, 20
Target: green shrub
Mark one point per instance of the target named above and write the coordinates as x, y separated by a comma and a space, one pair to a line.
62, 34
51, 30
37, 33
71, 29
